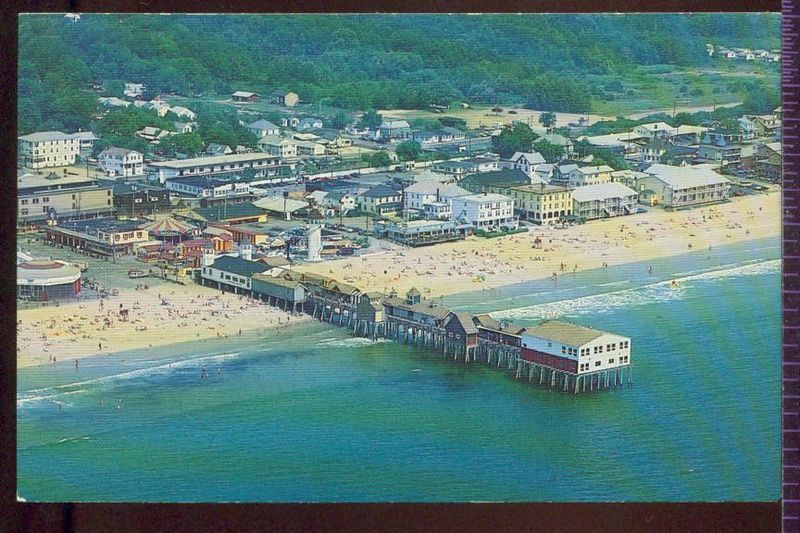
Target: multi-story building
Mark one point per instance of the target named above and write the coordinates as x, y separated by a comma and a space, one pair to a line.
574, 349
484, 211
526, 162
583, 176
262, 128
138, 198
684, 186
380, 200
278, 146
420, 194
56, 197
121, 162
604, 200
45, 149
266, 164
541, 203
210, 188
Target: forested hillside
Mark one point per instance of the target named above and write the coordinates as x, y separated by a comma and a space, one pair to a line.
361, 62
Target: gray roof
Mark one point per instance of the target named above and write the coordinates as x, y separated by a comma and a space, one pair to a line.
601, 191
380, 191
262, 124
237, 265
487, 322
422, 308
432, 187
565, 333
43, 136
685, 177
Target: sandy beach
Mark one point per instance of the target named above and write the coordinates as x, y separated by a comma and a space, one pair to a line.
158, 316
170, 314
477, 263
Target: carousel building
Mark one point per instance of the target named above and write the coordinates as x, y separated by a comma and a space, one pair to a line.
171, 230
43, 280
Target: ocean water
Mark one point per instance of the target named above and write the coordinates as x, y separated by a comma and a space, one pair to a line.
314, 415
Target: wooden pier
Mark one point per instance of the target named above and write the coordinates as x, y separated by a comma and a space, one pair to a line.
529, 353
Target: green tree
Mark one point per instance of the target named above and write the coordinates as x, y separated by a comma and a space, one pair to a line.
114, 88
551, 152
408, 150
518, 137
548, 120
378, 159
371, 119
190, 144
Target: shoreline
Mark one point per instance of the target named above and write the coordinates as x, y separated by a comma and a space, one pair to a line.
81, 330
196, 313
476, 263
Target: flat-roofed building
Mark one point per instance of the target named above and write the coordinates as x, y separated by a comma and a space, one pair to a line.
484, 211
56, 197
45, 149
684, 186
121, 162
575, 349
604, 200
541, 203
205, 166
583, 176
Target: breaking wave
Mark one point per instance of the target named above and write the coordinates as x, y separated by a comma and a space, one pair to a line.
662, 291
51, 393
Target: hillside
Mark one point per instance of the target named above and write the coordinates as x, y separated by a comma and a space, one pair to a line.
559, 62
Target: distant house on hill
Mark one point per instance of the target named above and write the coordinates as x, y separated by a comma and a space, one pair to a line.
289, 99
245, 96
308, 123
218, 149
558, 140
262, 128
394, 129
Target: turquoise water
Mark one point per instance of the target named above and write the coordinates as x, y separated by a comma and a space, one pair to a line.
319, 416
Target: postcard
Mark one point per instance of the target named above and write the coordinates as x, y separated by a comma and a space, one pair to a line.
399, 258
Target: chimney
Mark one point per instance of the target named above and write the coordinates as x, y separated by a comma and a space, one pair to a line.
542, 185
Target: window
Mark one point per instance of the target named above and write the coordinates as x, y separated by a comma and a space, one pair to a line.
549, 344
35, 200
25, 202
611, 361
597, 363
24, 211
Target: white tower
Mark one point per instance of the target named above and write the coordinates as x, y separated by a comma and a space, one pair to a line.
314, 238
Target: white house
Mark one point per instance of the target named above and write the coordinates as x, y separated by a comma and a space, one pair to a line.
274, 145
527, 162
484, 211
575, 349
133, 89
234, 273
684, 186
421, 193
121, 162
604, 200
48, 149
262, 128
204, 187
393, 129
183, 112
582, 176
654, 130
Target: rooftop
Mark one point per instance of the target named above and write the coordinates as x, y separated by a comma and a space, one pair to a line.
380, 191
565, 333
42, 136
601, 191
213, 160
237, 265
685, 177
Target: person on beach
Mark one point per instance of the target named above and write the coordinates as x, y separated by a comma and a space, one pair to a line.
76, 364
